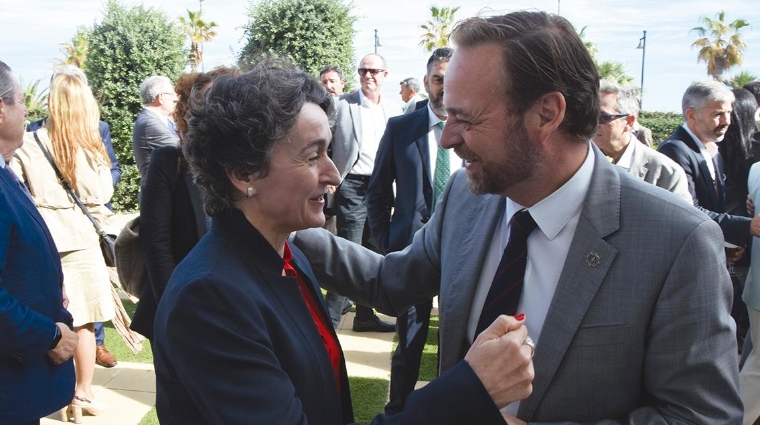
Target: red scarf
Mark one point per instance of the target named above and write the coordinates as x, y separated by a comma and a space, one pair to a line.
330, 342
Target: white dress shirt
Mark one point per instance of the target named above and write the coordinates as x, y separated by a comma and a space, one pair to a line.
557, 218
373, 121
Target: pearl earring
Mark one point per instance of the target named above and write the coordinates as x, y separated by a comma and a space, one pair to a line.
250, 191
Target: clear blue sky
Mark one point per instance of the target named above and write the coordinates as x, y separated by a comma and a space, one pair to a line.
33, 30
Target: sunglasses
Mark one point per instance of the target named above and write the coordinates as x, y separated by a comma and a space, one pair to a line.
364, 71
605, 118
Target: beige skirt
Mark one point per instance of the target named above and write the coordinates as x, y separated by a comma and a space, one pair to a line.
85, 279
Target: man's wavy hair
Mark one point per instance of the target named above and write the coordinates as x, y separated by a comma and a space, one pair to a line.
541, 53
237, 123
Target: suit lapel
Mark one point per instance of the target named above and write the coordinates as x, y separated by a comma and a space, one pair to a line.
354, 107
15, 192
420, 132
707, 180
586, 266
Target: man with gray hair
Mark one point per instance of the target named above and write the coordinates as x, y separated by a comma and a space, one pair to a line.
619, 110
153, 127
410, 89
707, 110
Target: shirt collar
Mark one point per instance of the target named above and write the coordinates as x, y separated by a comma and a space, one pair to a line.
2, 162
364, 102
627, 157
554, 212
433, 119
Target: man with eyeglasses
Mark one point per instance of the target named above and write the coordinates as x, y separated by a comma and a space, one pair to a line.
359, 125
707, 111
153, 127
619, 109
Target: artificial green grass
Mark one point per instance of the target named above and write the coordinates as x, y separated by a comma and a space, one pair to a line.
368, 396
150, 418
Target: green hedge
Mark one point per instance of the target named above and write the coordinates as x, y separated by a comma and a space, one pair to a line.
661, 124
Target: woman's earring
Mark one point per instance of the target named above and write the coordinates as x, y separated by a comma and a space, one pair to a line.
250, 192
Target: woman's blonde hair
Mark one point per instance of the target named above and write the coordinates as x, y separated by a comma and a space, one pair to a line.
73, 124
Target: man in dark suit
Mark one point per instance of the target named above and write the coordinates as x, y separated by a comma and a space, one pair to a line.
629, 311
153, 127
103, 357
359, 124
707, 110
36, 340
411, 157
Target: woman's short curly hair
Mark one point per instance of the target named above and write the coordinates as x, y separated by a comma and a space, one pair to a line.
239, 120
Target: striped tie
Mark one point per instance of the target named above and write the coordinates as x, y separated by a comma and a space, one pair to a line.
18, 181
507, 284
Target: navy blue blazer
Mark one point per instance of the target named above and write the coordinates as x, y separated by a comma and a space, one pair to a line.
234, 343
105, 134
685, 151
31, 387
404, 157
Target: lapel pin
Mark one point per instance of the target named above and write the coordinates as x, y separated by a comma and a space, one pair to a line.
593, 259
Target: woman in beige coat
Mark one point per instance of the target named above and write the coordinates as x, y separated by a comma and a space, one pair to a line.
71, 137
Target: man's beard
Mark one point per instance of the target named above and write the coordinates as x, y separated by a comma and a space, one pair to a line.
521, 160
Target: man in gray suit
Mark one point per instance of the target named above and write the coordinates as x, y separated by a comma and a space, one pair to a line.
359, 125
630, 313
153, 127
619, 110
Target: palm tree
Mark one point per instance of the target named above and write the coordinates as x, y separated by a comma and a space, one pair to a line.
590, 45
613, 71
35, 101
741, 79
75, 51
720, 44
436, 32
199, 32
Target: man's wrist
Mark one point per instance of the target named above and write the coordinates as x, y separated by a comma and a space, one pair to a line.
56, 338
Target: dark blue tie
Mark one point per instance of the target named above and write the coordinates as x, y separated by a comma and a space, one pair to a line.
507, 284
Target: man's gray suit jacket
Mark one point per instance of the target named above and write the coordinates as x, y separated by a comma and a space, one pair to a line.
149, 133
653, 167
347, 132
638, 330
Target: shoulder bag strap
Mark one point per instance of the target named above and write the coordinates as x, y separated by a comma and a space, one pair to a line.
67, 187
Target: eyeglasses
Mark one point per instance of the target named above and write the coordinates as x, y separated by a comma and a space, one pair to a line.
604, 118
364, 71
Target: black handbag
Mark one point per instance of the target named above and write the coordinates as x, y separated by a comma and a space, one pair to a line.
106, 240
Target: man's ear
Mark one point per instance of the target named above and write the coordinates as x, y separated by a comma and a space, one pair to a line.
630, 120
3, 112
546, 114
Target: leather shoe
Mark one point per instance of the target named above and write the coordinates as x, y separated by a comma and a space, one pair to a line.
104, 357
373, 324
